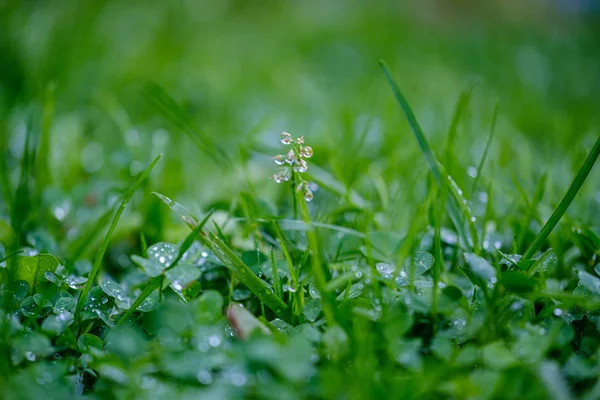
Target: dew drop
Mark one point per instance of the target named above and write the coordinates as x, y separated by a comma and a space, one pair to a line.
204, 377
286, 138
214, 341
238, 379
557, 312
307, 152
279, 159
308, 195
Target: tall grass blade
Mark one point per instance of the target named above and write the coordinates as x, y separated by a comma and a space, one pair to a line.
562, 207
319, 271
461, 106
487, 148
96, 267
441, 177
243, 273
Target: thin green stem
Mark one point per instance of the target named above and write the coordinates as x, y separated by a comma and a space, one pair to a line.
96, 267
487, 148
562, 207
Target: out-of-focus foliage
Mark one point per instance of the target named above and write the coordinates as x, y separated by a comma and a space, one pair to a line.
377, 287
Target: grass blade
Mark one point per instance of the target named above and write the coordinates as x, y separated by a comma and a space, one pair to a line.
461, 106
319, 270
243, 273
581, 176
96, 267
487, 148
441, 177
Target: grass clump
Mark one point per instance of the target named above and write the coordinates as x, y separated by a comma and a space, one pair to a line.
428, 259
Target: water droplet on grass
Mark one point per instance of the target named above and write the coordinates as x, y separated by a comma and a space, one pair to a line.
238, 379
308, 195
385, 269
557, 312
204, 377
214, 341
30, 356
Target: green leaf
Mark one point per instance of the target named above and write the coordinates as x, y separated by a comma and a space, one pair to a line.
150, 268
443, 348
115, 291
183, 275
312, 309
516, 282
31, 346
99, 305
63, 301
32, 269
590, 282
481, 267
497, 356
87, 342
57, 323
419, 263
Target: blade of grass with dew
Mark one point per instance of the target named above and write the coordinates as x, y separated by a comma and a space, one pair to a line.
155, 282
461, 106
183, 213
298, 294
562, 207
243, 273
317, 264
487, 148
277, 288
439, 174
96, 267
438, 265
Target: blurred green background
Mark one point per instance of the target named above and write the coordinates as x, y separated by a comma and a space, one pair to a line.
244, 71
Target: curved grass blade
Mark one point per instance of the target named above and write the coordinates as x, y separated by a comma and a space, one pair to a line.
441, 177
96, 267
243, 273
461, 106
487, 148
182, 212
319, 270
564, 204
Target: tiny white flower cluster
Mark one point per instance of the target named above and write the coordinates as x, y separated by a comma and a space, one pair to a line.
294, 161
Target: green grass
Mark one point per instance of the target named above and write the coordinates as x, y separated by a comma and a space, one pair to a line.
452, 248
